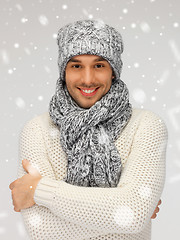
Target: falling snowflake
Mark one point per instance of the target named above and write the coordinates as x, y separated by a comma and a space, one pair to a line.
124, 216
20, 102
163, 77
10, 71
24, 20
47, 69
125, 10
19, 7
64, 6
145, 27
99, 24
35, 220
176, 24
43, 20
133, 25
139, 95
145, 192
153, 98
54, 133
174, 49
40, 98
27, 51
90, 16
136, 65
5, 57
55, 35
173, 114
16, 45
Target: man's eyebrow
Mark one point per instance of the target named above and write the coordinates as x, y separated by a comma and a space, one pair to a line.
95, 60
99, 59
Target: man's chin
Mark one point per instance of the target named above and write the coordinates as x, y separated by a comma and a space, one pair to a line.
86, 105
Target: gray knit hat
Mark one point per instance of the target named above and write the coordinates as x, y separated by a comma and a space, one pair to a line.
90, 37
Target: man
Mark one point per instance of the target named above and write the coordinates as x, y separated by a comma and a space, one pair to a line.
96, 166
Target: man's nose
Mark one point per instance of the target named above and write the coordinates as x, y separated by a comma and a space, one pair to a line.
88, 76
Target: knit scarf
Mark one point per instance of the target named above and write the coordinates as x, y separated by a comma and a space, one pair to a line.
88, 135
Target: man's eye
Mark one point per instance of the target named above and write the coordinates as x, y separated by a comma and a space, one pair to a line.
76, 66
99, 65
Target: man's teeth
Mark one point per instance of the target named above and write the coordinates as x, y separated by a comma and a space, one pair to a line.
88, 91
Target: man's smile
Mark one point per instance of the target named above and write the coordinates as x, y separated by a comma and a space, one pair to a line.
88, 92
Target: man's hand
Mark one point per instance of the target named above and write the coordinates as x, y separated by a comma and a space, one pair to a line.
23, 188
156, 210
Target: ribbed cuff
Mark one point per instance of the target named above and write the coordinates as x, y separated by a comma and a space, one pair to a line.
45, 192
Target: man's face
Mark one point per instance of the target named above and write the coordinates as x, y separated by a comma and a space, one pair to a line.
88, 78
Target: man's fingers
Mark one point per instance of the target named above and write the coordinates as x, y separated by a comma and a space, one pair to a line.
26, 165
29, 168
15, 203
157, 210
11, 186
16, 209
153, 216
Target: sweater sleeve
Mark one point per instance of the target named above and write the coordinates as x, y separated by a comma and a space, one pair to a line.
127, 208
39, 221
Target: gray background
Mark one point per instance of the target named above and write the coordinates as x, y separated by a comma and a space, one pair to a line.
28, 74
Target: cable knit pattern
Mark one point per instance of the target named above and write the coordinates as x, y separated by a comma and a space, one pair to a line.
64, 211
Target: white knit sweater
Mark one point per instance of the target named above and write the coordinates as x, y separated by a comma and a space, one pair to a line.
64, 211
